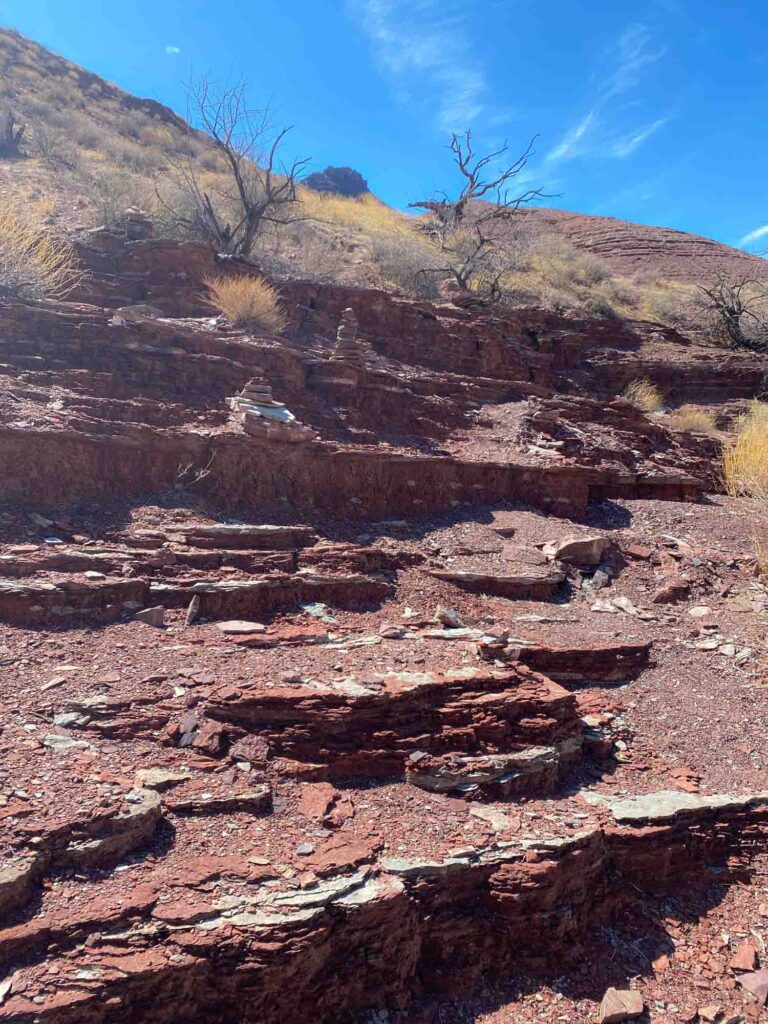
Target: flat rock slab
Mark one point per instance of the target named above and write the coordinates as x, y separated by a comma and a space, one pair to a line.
668, 804
240, 627
603, 662
255, 536
525, 576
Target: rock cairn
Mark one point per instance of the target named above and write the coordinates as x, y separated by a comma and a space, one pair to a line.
258, 392
348, 349
137, 224
261, 415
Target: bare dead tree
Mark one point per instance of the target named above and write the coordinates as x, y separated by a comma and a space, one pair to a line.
469, 229
10, 140
260, 188
739, 312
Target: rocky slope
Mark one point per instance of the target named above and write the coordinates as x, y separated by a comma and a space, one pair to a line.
388, 669
630, 249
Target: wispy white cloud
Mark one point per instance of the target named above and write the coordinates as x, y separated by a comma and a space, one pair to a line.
597, 133
753, 236
425, 48
626, 145
173, 50
632, 52
569, 145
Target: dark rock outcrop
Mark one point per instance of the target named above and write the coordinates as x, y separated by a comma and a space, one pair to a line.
343, 181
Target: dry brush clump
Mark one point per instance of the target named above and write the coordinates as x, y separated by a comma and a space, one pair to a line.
35, 261
407, 262
306, 251
248, 302
400, 255
645, 395
745, 460
745, 469
737, 312
694, 417
551, 272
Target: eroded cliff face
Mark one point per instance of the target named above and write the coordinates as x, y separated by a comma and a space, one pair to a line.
348, 677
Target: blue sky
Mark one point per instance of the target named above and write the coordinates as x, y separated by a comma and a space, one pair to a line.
652, 111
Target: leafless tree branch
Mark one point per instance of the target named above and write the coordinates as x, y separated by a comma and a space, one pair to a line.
260, 187
739, 312
469, 227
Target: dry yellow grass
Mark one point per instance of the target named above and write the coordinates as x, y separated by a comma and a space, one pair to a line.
366, 213
745, 461
644, 395
34, 261
693, 417
761, 557
745, 469
249, 302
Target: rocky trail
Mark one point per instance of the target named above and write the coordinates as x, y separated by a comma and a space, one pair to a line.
393, 670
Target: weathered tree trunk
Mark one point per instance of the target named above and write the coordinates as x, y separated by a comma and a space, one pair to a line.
10, 140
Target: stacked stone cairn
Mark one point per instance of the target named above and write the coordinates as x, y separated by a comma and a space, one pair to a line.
138, 225
348, 347
261, 416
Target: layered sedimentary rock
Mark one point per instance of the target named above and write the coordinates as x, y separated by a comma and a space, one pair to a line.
382, 724
313, 730
378, 934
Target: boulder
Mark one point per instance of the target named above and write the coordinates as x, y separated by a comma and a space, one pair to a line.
151, 616
587, 550
673, 589
756, 984
619, 1005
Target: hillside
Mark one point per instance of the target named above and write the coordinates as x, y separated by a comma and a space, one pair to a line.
94, 150
638, 249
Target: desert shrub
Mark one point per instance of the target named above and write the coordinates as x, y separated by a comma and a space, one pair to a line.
85, 132
661, 305
599, 305
249, 302
645, 278
303, 250
563, 265
736, 311
644, 394
404, 261
34, 261
745, 460
550, 272
53, 145
621, 293
693, 417
125, 153
555, 299
114, 190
